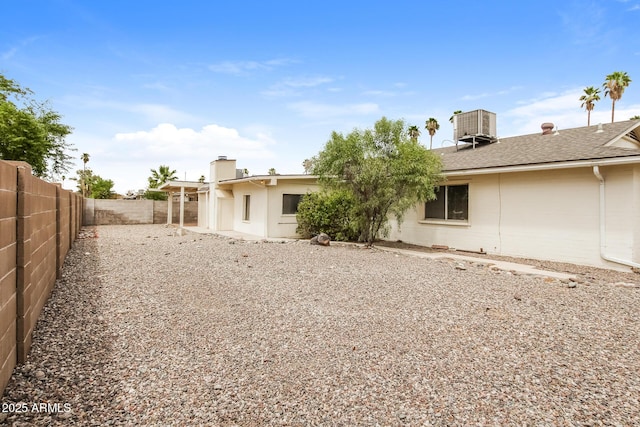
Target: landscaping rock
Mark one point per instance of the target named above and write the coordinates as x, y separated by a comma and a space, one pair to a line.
321, 239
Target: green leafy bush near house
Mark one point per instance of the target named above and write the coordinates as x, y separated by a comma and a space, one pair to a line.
328, 212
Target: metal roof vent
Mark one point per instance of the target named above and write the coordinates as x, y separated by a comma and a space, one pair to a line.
547, 128
222, 157
477, 126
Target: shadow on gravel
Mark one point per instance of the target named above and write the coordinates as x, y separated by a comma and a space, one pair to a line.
68, 369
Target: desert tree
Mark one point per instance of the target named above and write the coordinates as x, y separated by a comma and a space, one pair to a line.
32, 132
383, 169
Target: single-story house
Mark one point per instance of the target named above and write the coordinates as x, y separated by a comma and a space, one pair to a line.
261, 205
571, 195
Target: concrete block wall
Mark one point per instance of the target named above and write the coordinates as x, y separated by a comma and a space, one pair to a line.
36, 253
8, 274
118, 212
38, 223
160, 212
126, 212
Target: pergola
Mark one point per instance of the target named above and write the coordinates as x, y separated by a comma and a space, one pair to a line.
173, 187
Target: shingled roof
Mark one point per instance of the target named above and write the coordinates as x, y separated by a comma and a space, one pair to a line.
616, 140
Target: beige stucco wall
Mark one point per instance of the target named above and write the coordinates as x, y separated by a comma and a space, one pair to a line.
203, 209
266, 217
285, 225
635, 216
257, 223
550, 215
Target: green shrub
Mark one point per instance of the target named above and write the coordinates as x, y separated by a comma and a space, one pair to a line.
328, 212
155, 195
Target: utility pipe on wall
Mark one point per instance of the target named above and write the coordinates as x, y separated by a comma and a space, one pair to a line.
596, 172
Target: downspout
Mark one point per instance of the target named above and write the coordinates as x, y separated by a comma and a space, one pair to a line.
596, 172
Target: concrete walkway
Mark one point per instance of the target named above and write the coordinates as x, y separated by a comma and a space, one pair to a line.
501, 265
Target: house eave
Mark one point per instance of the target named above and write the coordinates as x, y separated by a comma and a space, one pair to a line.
266, 177
545, 166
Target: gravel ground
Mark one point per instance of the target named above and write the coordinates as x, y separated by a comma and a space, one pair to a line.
583, 273
150, 328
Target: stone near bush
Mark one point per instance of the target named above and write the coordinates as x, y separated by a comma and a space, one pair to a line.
322, 239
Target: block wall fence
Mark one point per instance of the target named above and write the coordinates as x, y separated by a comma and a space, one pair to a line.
39, 222
126, 212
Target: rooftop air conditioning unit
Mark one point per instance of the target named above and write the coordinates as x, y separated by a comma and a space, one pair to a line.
475, 126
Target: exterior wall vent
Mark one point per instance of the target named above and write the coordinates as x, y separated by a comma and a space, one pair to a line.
477, 126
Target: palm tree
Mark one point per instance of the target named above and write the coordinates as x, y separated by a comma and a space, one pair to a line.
590, 97
454, 113
614, 87
431, 125
414, 132
85, 160
161, 176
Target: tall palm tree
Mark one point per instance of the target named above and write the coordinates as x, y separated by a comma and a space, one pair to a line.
160, 176
454, 113
85, 160
431, 125
590, 97
614, 87
414, 132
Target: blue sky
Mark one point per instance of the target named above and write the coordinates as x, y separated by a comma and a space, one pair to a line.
145, 83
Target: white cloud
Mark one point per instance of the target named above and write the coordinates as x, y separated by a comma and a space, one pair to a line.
157, 112
154, 113
157, 86
322, 111
5, 56
171, 142
306, 81
244, 67
474, 97
290, 86
8, 54
490, 94
563, 109
128, 157
386, 93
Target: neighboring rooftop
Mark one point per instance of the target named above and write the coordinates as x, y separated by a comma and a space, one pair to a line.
606, 141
